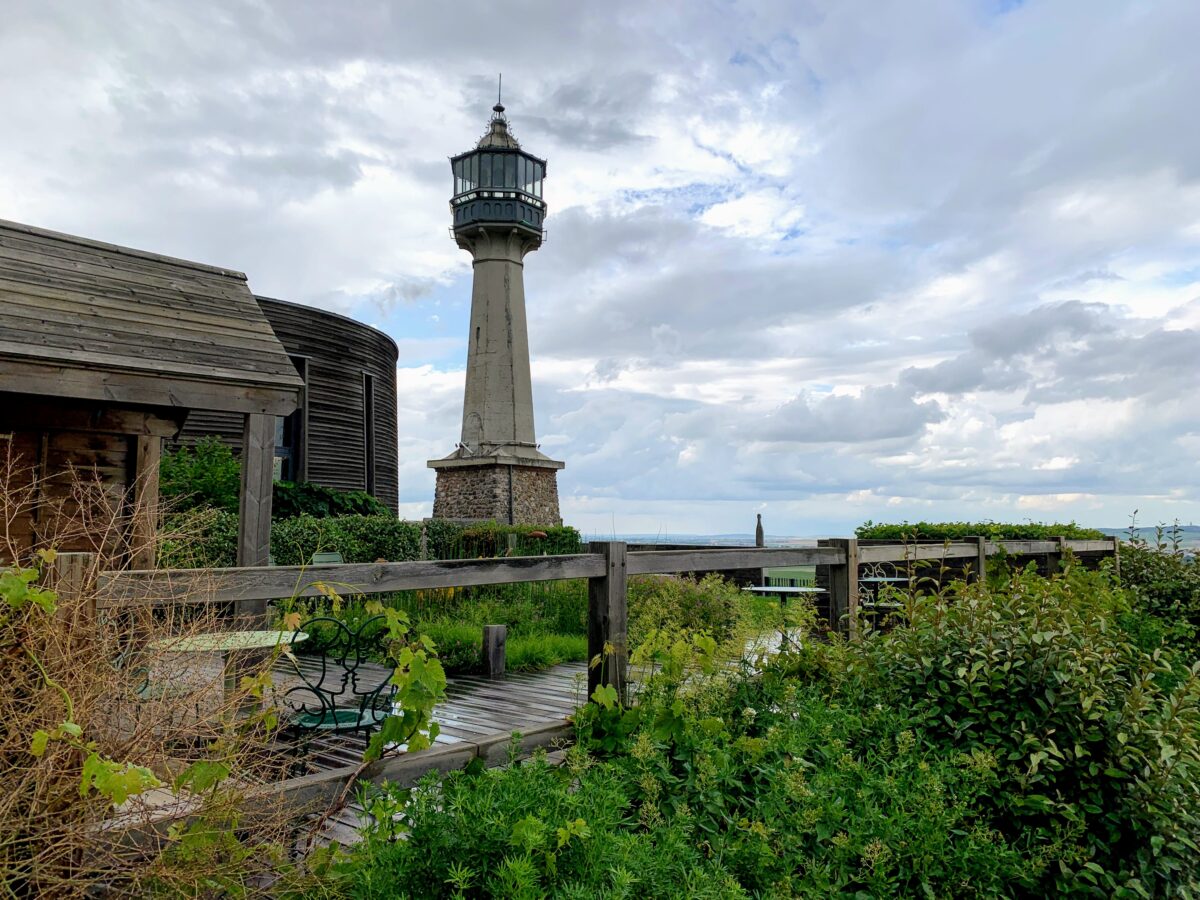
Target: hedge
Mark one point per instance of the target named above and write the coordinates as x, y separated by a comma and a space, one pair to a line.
1028, 531
450, 540
207, 538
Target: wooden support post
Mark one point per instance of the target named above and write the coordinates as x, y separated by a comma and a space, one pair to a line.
254, 522
843, 587
1116, 551
70, 577
494, 638
607, 619
148, 450
980, 564
1055, 558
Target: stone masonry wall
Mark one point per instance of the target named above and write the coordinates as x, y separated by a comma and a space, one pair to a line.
481, 493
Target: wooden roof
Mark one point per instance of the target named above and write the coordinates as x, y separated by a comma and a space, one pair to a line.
89, 320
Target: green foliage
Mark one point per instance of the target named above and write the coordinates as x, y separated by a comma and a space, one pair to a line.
289, 500
952, 531
450, 540
711, 605
207, 475
1165, 582
206, 538
1095, 742
706, 796
358, 538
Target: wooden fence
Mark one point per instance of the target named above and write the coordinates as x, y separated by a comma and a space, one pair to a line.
607, 566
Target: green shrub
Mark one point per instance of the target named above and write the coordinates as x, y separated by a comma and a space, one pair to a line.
199, 539
952, 531
290, 500
207, 538
1165, 583
713, 797
450, 540
1095, 742
207, 475
359, 539
711, 605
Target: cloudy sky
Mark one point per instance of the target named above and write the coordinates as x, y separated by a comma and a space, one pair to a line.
827, 261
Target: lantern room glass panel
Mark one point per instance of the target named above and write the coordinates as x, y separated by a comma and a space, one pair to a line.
510, 171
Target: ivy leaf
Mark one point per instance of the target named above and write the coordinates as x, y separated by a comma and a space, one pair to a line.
38, 745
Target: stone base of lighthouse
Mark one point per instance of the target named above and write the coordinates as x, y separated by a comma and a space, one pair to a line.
506, 490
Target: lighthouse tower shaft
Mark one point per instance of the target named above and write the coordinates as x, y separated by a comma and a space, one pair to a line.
497, 472
498, 400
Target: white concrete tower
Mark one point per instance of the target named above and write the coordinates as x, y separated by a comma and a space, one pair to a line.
496, 471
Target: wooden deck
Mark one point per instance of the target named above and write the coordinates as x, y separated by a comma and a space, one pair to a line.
474, 707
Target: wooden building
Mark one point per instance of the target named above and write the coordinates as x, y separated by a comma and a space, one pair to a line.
105, 351
343, 433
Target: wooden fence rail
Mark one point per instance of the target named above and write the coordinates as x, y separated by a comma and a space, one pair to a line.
607, 565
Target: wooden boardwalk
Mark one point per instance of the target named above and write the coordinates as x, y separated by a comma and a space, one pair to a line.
474, 708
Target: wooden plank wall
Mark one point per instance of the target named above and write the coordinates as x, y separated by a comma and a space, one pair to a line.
337, 351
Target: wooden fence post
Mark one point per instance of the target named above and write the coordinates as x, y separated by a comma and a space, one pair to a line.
254, 519
843, 587
70, 576
980, 557
607, 619
494, 638
1116, 557
1054, 559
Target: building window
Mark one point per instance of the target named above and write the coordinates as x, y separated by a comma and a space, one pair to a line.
289, 433
369, 431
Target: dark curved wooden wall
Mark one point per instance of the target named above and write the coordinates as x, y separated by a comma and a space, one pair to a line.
337, 352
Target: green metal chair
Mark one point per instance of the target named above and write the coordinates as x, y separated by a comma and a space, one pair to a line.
339, 692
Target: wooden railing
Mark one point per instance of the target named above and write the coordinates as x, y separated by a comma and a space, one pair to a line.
606, 566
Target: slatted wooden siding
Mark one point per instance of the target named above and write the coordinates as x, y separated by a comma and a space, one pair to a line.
337, 352
60, 445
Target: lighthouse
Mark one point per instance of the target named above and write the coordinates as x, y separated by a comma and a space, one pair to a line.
496, 471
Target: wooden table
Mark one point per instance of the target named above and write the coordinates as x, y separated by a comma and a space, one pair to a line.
229, 643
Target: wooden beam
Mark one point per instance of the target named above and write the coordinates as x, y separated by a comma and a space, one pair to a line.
912, 552
270, 582
150, 389
608, 620
144, 528
494, 639
843, 586
70, 576
979, 572
646, 562
254, 519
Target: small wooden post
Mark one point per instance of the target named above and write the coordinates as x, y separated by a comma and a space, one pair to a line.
254, 522
148, 450
607, 619
1054, 558
843, 587
494, 637
980, 557
70, 576
1116, 551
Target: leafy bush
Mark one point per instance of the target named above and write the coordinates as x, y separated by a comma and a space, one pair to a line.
711, 605
1165, 583
762, 789
1028, 531
207, 475
199, 539
358, 538
451, 540
290, 500
205, 538
1095, 743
